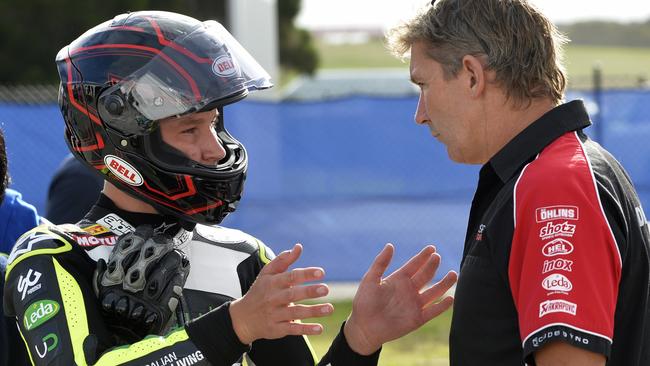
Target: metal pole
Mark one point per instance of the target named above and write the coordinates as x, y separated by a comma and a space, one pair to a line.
598, 92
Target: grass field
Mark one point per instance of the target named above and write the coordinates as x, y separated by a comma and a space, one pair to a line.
619, 65
425, 347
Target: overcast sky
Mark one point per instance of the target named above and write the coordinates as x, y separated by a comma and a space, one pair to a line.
319, 14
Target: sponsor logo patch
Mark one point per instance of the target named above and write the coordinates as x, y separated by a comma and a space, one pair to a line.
116, 224
29, 284
557, 306
479, 233
551, 230
39, 312
95, 229
549, 213
123, 170
557, 246
50, 342
564, 333
557, 264
93, 241
224, 66
557, 282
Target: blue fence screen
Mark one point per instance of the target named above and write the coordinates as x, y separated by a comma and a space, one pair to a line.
342, 177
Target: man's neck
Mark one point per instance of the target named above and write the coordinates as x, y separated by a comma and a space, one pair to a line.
508, 122
125, 201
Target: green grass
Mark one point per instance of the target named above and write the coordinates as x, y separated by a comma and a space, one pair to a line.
620, 65
426, 346
348, 56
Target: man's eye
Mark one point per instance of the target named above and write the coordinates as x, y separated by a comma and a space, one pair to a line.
189, 130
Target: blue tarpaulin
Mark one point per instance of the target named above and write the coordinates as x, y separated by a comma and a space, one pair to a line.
342, 177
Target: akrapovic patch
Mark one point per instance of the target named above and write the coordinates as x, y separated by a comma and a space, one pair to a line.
224, 66
123, 170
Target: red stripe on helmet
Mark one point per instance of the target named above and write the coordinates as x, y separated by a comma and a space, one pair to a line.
165, 42
190, 192
185, 74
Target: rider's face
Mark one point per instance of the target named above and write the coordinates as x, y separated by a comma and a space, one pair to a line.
195, 136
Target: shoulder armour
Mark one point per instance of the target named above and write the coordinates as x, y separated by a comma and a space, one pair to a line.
43, 239
233, 239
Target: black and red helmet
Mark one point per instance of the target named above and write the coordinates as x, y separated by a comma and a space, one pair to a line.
122, 76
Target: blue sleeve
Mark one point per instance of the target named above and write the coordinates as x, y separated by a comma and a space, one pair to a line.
16, 217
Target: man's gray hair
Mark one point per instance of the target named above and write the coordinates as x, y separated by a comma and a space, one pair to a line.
522, 46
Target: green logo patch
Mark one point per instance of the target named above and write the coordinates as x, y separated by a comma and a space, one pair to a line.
39, 312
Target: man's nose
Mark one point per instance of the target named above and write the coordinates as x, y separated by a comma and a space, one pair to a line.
420, 113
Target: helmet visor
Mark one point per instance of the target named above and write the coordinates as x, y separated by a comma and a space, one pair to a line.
206, 68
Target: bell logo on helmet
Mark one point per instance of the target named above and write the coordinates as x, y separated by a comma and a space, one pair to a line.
123, 170
224, 66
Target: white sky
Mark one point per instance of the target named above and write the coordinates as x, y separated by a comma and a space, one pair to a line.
319, 14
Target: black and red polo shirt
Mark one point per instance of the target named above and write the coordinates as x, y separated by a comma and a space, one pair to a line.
557, 249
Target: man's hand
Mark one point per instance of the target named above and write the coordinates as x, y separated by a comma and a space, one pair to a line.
386, 309
268, 310
141, 286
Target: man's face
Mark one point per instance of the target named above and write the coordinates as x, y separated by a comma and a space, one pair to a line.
446, 106
195, 136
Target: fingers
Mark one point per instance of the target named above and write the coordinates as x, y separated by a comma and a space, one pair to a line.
282, 262
300, 311
426, 271
379, 265
434, 310
437, 290
298, 276
296, 328
299, 293
411, 267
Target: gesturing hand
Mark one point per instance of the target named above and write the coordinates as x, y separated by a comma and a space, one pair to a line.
386, 309
268, 310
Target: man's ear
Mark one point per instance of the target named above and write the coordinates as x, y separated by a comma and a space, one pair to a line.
475, 74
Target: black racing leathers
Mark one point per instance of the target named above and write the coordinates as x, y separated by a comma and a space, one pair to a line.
49, 291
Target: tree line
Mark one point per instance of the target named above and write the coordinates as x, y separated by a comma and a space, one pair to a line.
33, 31
603, 33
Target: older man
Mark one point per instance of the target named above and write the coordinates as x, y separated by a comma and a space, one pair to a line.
555, 265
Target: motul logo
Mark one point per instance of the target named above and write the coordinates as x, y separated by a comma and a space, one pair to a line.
91, 241
557, 247
123, 170
556, 213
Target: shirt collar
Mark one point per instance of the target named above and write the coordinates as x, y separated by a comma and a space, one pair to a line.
528, 143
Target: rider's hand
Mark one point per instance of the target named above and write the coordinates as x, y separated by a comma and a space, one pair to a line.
140, 286
268, 310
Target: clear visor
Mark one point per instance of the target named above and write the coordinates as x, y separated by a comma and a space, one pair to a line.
206, 68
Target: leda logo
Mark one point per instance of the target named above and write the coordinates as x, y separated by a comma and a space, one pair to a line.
40, 312
123, 170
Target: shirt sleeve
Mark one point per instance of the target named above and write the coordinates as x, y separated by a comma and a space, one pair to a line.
565, 265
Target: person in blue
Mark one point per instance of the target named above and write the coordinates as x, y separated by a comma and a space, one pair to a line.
16, 217
71, 179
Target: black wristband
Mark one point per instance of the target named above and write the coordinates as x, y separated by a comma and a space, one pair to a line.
340, 353
214, 335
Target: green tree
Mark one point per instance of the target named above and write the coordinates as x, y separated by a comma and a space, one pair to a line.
297, 49
33, 31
